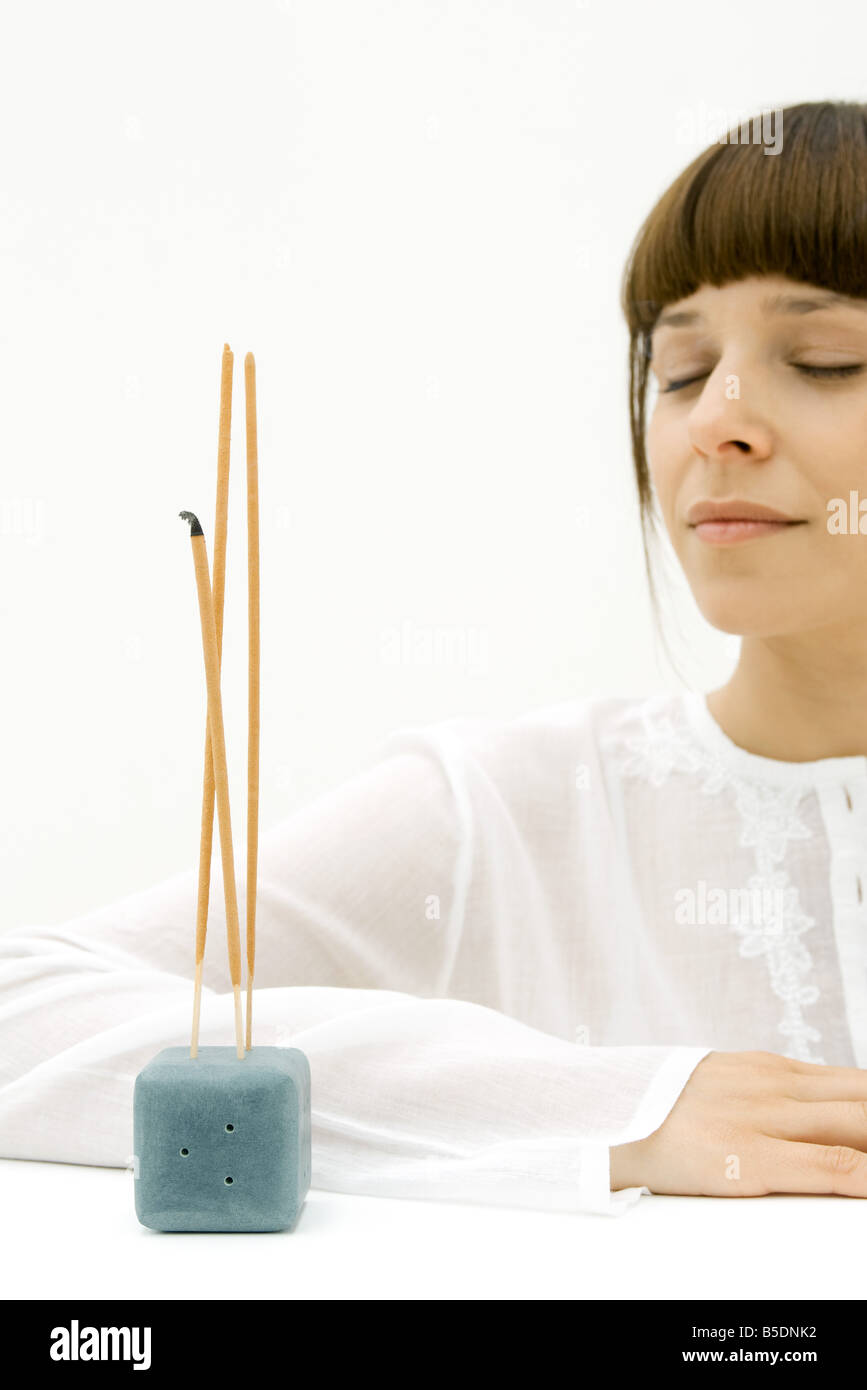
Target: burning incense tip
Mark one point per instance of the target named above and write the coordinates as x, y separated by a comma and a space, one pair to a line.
195, 524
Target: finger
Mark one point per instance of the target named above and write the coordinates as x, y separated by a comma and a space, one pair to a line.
812, 1082
826, 1122
785, 1166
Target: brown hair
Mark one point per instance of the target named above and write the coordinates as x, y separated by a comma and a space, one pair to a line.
736, 211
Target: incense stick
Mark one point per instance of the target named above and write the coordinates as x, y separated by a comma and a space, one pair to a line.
218, 744
253, 683
207, 830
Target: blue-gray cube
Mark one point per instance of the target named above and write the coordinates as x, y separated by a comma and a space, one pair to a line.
222, 1142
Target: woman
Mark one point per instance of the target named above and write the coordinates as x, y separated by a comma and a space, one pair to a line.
620, 945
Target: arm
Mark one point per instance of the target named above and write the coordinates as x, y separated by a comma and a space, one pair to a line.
412, 1095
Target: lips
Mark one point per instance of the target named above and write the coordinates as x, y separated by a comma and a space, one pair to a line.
735, 510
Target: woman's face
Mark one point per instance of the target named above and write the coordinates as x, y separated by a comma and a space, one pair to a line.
754, 428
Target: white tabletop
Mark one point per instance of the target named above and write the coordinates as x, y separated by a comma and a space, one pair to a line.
71, 1231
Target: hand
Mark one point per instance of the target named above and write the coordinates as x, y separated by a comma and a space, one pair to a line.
750, 1123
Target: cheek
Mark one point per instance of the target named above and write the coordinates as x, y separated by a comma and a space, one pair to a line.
824, 433
661, 450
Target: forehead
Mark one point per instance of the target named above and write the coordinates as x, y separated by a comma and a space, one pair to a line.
770, 296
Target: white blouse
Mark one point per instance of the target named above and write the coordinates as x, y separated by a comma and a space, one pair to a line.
504, 946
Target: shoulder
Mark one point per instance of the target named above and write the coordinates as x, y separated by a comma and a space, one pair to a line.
539, 745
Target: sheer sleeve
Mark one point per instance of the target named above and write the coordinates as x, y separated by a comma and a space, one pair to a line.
361, 901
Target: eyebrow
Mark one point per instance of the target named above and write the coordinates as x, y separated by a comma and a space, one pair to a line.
773, 304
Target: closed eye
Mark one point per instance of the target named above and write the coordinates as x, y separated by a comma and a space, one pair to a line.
849, 370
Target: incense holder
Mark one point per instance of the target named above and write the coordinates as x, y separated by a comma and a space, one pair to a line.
222, 1143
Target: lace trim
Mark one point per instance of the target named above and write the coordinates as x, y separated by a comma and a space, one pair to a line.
770, 820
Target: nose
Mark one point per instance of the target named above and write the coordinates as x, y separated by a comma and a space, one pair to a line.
723, 425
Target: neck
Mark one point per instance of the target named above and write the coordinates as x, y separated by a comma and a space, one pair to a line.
798, 698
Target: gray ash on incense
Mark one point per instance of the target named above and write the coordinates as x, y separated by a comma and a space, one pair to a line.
195, 524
